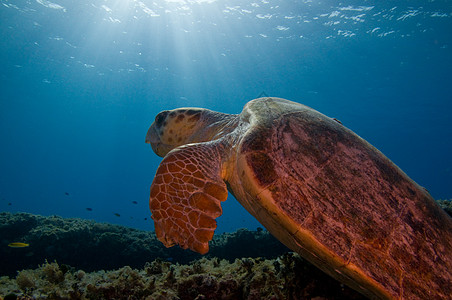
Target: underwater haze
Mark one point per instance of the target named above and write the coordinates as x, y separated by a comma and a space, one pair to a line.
81, 82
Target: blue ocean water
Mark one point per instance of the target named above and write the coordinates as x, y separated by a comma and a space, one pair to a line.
81, 82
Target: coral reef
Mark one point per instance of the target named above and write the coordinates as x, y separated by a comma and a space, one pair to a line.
241, 265
105, 246
446, 205
286, 277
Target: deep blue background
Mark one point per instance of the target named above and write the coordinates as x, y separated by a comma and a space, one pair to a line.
81, 82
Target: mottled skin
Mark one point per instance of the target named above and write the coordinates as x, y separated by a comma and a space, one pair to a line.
315, 185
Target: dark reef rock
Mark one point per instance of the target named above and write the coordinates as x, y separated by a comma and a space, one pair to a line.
92, 246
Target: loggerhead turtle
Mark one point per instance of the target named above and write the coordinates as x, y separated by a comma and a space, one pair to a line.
318, 187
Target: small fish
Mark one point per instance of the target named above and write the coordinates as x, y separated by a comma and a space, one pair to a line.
116, 214
134, 202
66, 193
9, 204
18, 245
89, 209
145, 219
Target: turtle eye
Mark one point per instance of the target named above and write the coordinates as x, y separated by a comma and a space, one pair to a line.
160, 118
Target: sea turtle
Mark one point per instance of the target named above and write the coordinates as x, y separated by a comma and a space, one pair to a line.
318, 187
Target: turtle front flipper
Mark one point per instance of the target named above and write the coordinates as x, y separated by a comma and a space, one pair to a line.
186, 197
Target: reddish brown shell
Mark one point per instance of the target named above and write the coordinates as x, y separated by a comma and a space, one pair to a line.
339, 202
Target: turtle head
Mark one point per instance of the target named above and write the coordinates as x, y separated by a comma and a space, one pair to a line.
174, 128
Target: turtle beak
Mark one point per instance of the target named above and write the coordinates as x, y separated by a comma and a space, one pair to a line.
151, 135
153, 138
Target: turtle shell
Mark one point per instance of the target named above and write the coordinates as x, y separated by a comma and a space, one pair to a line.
340, 203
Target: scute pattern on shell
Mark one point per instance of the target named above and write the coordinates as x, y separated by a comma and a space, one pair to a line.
353, 200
